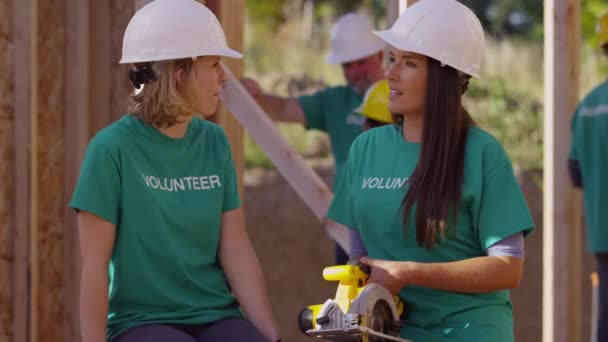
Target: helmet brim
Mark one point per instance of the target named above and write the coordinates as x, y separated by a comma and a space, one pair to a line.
397, 42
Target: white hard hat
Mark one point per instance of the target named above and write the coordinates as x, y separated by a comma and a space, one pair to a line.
352, 39
173, 29
444, 30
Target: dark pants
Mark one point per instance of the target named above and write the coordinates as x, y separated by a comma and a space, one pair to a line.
341, 256
226, 330
602, 320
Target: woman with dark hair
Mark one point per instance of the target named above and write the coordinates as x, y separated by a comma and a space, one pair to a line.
433, 199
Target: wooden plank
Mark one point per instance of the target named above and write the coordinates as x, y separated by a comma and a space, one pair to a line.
394, 8
24, 33
32, 171
574, 208
139, 4
561, 251
232, 16
7, 169
99, 65
121, 12
78, 119
48, 161
302, 178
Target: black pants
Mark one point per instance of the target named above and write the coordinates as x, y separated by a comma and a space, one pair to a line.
226, 330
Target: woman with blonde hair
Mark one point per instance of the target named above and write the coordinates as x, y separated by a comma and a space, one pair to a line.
165, 253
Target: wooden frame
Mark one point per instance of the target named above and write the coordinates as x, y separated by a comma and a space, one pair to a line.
77, 112
561, 241
231, 15
24, 54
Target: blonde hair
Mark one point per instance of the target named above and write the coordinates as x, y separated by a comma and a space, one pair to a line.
161, 102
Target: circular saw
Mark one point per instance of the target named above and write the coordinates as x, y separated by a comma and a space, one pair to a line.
360, 312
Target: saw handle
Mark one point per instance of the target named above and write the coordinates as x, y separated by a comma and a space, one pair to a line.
367, 269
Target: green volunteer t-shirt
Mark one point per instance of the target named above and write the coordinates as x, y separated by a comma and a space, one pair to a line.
333, 110
166, 197
492, 208
590, 148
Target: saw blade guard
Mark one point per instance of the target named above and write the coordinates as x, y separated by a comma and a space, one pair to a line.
371, 294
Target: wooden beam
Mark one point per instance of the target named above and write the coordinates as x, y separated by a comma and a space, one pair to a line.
120, 85
232, 16
394, 8
99, 66
140, 3
7, 169
77, 127
24, 52
301, 177
48, 170
561, 247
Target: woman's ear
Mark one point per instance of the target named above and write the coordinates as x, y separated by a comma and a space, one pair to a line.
179, 76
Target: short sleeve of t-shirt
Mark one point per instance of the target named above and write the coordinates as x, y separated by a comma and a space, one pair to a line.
231, 186
502, 209
98, 189
341, 209
314, 112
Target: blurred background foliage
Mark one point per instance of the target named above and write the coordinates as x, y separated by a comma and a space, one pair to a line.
286, 42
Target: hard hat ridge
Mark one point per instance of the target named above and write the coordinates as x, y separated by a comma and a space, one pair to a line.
173, 29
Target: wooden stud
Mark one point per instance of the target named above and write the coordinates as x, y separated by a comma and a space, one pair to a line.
120, 85
561, 253
24, 33
140, 3
48, 167
574, 204
99, 67
394, 8
33, 173
79, 90
232, 16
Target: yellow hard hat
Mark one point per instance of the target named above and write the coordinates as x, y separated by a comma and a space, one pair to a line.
375, 102
602, 29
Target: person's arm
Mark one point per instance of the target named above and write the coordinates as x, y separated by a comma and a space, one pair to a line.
244, 273
475, 275
286, 109
357, 247
96, 243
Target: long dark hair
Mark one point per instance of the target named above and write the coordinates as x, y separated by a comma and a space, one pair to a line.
435, 185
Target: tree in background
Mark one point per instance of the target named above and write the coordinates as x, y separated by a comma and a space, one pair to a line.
501, 18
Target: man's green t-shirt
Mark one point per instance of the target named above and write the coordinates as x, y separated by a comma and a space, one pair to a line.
369, 200
166, 197
333, 110
590, 148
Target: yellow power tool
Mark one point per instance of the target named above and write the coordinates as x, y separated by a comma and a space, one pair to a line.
360, 312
